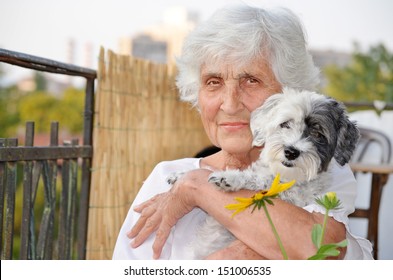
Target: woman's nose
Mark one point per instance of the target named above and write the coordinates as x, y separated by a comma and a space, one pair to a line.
231, 100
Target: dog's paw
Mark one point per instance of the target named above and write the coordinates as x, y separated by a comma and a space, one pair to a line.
172, 179
225, 180
219, 181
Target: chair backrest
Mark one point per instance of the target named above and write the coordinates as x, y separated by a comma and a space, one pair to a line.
368, 137
374, 147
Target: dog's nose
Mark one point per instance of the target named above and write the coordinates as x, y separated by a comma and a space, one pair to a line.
291, 153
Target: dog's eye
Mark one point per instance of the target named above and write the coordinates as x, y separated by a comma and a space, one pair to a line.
315, 133
285, 125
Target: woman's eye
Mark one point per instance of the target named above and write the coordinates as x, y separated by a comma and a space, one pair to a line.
252, 80
213, 81
285, 125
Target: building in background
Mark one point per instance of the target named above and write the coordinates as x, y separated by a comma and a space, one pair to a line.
161, 43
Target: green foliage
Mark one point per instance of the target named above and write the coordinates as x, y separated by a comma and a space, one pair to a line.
329, 201
43, 108
70, 110
368, 77
9, 115
329, 250
40, 81
40, 106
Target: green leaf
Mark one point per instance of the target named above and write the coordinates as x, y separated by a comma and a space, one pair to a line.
255, 206
324, 252
328, 250
342, 244
317, 257
259, 204
269, 201
316, 235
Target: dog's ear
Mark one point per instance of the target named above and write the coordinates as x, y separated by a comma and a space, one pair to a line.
347, 139
258, 138
260, 119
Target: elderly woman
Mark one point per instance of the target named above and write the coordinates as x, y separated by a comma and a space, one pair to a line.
229, 66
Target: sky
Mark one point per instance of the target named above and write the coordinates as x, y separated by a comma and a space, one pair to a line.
44, 27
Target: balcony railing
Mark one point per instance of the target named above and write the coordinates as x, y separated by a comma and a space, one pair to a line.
46, 162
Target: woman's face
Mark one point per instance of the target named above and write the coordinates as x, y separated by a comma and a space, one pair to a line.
227, 97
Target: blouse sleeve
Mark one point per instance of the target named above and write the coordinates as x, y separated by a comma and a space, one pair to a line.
155, 183
152, 186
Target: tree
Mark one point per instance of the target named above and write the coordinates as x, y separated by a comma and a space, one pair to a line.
43, 108
70, 110
38, 106
40, 81
368, 77
9, 115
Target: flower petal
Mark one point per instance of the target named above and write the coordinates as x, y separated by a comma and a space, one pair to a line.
285, 186
274, 186
244, 199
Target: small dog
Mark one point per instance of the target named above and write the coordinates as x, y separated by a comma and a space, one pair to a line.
300, 132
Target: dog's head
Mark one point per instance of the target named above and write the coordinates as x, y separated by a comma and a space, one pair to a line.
301, 132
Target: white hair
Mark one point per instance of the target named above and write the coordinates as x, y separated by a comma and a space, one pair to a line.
241, 34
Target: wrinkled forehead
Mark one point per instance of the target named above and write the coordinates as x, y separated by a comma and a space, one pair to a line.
227, 69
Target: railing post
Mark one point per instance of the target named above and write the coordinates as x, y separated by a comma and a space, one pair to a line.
10, 189
27, 226
68, 205
2, 194
86, 171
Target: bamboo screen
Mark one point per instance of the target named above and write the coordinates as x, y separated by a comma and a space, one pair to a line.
138, 122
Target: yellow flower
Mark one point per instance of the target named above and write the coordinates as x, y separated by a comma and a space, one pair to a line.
329, 201
276, 187
260, 197
331, 196
243, 204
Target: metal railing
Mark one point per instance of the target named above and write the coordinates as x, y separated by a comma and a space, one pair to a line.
44, 162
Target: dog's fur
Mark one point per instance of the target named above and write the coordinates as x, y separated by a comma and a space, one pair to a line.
300, 132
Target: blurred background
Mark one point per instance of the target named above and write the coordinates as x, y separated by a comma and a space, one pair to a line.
350, 40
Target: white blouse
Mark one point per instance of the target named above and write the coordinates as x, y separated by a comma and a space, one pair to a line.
344, 184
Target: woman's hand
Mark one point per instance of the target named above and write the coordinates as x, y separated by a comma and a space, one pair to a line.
161, 213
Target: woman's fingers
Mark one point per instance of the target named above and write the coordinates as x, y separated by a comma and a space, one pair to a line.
147, 203
162, 234
160, 213
145, 222
147, 229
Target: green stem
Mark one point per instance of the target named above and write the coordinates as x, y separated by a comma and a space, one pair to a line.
323, 228
283, 252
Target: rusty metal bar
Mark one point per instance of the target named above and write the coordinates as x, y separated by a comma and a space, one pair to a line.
86, 170
68, 206
366, 105
45, 239
43, 153
10, 189
2, 196
46, 65
25, 250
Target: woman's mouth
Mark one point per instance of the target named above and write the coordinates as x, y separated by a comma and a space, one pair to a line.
234, 126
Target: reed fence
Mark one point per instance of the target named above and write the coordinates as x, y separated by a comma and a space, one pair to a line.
139, 121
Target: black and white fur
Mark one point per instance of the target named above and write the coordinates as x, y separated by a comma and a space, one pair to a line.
300, 132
